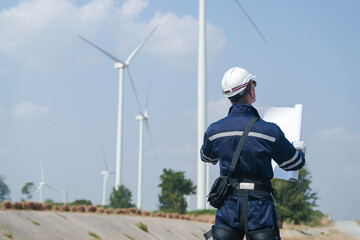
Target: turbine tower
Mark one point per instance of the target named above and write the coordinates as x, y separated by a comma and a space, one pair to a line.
120, 65
105, 174
203, 185
141, 118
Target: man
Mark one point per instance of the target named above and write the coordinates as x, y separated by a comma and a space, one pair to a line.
249, 208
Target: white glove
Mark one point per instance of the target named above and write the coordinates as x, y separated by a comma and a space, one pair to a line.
300, 144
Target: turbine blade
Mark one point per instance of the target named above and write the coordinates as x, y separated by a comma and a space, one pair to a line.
132, 55
151, 139
42, 172
103, 51
133, 87
36, 190
105, 163
47, 185
251, 21
147, 97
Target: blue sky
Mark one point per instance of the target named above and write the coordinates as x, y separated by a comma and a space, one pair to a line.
58, 95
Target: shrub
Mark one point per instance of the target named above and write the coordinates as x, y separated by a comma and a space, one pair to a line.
6, 205
91, 209
47, 206
65, 208
146, 213
27, 205
56, 208
17, 205
38, 206
81, 208
119, 211
109, 211
137, 212
73, 208
100, 210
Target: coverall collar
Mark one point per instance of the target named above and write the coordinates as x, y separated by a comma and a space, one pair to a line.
242, 108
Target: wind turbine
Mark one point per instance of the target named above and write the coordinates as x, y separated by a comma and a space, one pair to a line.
42, 184
203, 170
120, 65
141, 118
105, 179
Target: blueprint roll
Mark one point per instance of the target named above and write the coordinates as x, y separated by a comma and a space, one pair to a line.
289, 119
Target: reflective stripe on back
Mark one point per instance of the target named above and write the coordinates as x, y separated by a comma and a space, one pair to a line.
239, 133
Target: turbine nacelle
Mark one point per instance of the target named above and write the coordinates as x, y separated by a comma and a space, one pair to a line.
120, 65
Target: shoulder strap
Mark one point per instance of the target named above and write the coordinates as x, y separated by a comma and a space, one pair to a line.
241, 143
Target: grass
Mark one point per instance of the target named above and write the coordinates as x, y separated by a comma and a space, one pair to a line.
94, 235
6, 231
129, 237
60, 215
202, 212
34, 222
142, 226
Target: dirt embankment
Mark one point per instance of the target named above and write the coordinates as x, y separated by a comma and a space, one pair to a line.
72, 225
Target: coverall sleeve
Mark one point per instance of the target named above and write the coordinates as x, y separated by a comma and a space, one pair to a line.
286, 155
206, 152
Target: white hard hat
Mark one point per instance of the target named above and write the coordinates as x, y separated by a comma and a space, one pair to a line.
235, 81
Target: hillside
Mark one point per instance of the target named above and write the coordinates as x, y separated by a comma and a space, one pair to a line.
73, 225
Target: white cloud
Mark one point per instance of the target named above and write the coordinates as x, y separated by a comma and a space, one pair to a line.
29, 110
132, 8
331, 132
42, 34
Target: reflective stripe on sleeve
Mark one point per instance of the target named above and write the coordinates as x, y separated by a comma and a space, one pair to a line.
207, 159
294, 165
239, 133
290, 161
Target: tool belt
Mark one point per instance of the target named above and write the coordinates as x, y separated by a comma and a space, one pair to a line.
241, 185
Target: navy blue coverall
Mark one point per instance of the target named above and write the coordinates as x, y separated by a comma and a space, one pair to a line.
265, 141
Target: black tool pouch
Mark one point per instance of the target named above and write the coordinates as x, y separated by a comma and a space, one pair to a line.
219, 191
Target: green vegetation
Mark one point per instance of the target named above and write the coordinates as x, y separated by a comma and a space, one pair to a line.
202, 212
174, 186
4, 190
142, 226
6, 231
34, 222
295, 201
129, 237
80, 202
121, 198
94, 235
28, 190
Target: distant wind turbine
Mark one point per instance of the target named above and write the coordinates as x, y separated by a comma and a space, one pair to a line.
105, 179
120, 65
42, 184
203, 170
142, 117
